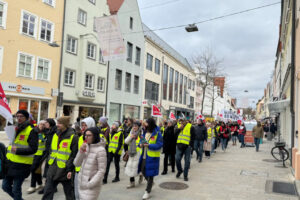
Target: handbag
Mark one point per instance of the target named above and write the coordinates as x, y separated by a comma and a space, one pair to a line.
126, 156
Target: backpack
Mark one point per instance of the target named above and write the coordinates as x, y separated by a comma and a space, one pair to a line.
2, 160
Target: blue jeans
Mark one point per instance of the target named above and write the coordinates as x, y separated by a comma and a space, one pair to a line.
213, 141
242, 138
13, 186
187, 160
234, 138
224, 143
256, 142
198, 146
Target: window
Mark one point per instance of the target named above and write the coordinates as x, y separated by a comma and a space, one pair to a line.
136, 84
49, 2
149, 62
184, 90
128, 82
157, 66
100, 84
25, 65
189, 84
118, 80
1, 58
193, 86
176, 86
101, 59
131, 23
38, 109
91, 51
171, 84
72, 44
129, 51
92, 1
151, 90
89, 81
191, 102
3, 14
29, 24
137, 56
165, 81
43, 69
82, 17
180, 88
69, 77
46, 31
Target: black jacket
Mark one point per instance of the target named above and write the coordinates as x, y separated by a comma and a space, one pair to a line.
54, 172
18, 169
48, 136
170, 140
201, 132
184, 146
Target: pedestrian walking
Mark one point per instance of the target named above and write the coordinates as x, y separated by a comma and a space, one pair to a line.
200, 138
257, 133
104, 130
273, 129
242, 133
91, 157
214, 138
224, 136
127, 130
134, 152
185, 141
20, 156
64, 148
151, 143
207, 143
234, 133
169, 147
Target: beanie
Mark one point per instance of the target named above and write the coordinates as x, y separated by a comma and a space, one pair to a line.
103, 119
65, 120
51, 122
116, 124
24, 113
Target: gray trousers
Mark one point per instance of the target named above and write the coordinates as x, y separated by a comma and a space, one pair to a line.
76, 186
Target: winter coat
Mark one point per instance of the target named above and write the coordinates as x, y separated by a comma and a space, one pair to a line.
93, 166
60, 174
258, 132
200, 133
152, 163
48, 135
18, 169
170, 140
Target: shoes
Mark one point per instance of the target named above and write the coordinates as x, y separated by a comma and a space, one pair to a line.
104, 181
186, 179
141, 179
178, 174
173, 170
146, 195
131, 185
39, 187
41, 191
199, 161
164, 173
30, 190
116, 180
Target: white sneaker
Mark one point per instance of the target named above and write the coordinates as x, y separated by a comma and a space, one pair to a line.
146, 195
39, 187
131, 185
30, 190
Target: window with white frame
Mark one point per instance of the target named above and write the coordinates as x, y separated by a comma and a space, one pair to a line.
137, 56
25, 65
29, 24
72, 44
46, 31
1, 58
82, 15
49, 2
43, 69
101, 59
129, 51
3, 14
89, 81
69, 77
92, 1
100, 84
91, 50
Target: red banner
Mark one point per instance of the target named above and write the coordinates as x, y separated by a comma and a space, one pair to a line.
172, 116
155, 111
4, 108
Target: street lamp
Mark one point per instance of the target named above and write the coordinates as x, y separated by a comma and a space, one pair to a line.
53, 44
191, 28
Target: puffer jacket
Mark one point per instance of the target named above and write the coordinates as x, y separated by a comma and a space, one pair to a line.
93, 166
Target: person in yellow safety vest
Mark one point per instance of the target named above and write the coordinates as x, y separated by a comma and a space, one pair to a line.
134, 151
115, 149
185, 142
214, 138
151, 143
86, 123
104, 129
64, 148
20, 155
36, 172
127, 130
208, 142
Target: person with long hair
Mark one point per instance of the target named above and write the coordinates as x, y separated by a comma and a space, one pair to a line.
224, 136
169, 147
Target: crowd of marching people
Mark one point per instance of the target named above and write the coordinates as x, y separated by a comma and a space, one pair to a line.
79, 156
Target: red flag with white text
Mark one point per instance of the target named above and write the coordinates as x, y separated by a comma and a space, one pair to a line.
4, 107
155, 111
172, 116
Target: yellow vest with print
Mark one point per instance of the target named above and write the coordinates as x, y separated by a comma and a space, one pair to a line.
210, 132
21, 142
80, 142
113, 143
184, 136
42, 145
61, 152
153, 153
102, 134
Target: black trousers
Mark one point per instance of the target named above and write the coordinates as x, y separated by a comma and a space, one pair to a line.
51, 186
148, 178
116, 158
168, 156
36, 178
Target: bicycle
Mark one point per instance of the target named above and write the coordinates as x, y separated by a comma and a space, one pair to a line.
279, 152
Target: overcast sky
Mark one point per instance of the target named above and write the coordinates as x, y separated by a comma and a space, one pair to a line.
246, 42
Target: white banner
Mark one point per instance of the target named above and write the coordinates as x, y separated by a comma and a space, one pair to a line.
110, 38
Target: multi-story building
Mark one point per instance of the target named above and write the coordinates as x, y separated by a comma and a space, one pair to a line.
83, 75
169, 80
29, 66
126, 76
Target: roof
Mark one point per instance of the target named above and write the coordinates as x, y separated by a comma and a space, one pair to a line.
165, 46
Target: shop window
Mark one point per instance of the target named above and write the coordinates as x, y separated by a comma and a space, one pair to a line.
38, 109
114, 112
131, 111
34, 109
44, 110
93, 112
23, 104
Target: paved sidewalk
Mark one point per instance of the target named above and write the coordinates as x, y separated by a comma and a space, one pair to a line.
237, 174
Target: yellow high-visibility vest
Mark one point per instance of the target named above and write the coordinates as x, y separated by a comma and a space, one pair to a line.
184, 136
42, 146
114, 141
80, 142
61, 152
137, 142
102, 134
209, 133
162, 130
153, 153
21, 142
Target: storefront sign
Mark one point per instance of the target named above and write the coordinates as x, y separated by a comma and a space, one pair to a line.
145, 102
87, 93
23, 88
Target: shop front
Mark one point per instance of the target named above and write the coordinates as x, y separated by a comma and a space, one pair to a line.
130, 111
182, 112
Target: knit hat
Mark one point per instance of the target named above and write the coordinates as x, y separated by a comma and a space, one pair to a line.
116, 124
65, 120
24, 113
103, 119
51, 122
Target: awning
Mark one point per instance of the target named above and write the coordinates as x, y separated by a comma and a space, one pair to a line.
278, 106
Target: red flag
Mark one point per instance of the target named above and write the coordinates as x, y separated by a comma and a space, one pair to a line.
4, 108
155, 111
172, 116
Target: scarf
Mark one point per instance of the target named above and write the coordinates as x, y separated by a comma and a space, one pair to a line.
132, 146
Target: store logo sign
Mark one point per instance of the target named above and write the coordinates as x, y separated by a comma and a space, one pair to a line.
87, 93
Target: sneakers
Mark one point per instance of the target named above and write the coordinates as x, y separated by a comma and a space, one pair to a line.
146, 195
39, 187
178, 174
186, 179
31, 190
117, 179
131, 185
